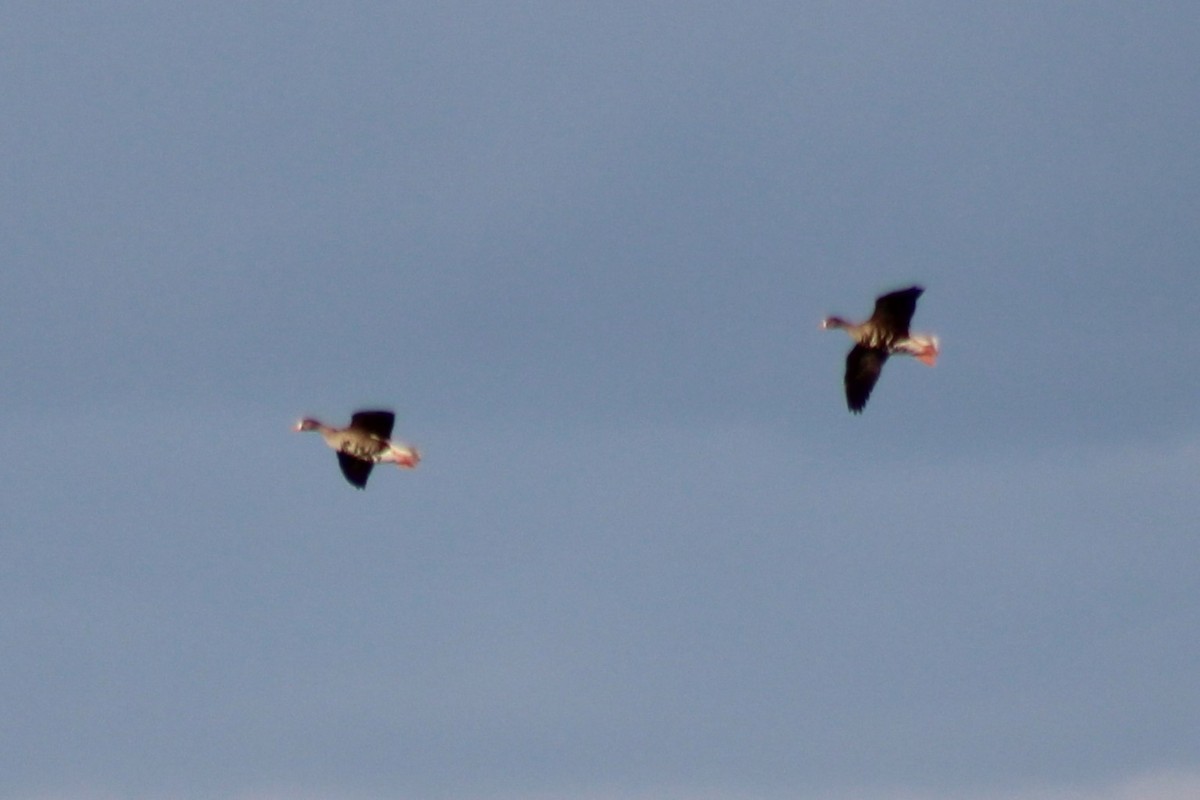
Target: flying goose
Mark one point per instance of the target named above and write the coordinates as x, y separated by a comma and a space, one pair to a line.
885, 333
365, 442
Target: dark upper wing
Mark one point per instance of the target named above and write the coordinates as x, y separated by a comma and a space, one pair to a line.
863, 366
376, 423
894, 310
356, 470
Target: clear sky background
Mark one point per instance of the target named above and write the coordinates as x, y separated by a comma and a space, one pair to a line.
582, 249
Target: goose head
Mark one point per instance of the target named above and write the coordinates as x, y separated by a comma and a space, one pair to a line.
833, 323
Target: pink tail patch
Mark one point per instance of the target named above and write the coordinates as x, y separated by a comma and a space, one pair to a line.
929, 353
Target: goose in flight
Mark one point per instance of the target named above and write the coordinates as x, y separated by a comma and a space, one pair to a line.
884, 334
365, 442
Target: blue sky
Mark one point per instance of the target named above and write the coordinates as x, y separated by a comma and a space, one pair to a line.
582, 250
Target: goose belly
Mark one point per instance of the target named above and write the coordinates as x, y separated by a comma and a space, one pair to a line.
363, 452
